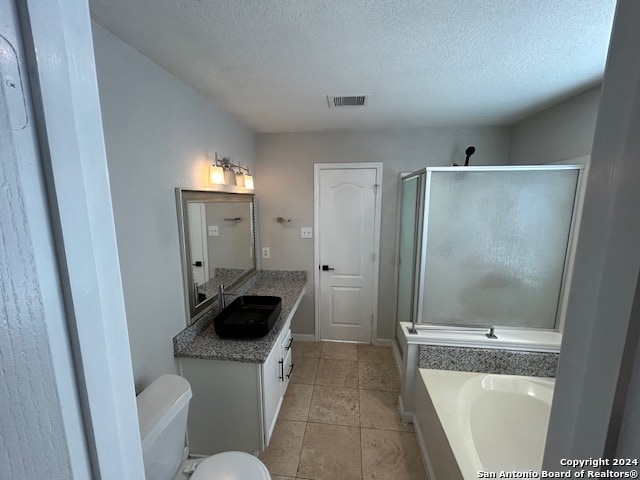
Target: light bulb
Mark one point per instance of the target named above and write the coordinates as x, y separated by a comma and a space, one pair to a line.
216, 175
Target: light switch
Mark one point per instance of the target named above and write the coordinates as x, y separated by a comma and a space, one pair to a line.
306, 232
266, 252
213, 231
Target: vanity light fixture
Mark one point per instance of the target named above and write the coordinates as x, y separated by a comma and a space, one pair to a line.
248, 181
229, 176
240, 179
223, 172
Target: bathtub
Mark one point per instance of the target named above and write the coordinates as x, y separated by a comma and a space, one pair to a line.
476, 422
521, 342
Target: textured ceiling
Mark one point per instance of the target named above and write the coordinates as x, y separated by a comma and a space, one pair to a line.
424, 62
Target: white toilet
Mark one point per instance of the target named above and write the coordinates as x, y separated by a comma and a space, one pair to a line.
162, 417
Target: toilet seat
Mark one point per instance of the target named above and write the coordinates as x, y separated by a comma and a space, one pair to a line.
231, 466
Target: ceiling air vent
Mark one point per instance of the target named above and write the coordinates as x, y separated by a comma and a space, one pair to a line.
347, 101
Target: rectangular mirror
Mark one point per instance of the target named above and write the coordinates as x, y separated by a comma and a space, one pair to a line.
217, 238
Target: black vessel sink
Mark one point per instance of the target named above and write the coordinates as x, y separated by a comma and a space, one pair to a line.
248, 316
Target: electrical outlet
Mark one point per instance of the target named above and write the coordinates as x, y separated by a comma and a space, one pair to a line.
213, 231
306, 232
266, 252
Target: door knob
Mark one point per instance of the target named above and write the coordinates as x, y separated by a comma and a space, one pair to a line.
326, 268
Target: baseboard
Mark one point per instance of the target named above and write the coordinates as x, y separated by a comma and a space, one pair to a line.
406, 416
303, 337
426, 462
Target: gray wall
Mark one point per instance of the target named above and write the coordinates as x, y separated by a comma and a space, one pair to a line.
562, 131
284, 184
157, 132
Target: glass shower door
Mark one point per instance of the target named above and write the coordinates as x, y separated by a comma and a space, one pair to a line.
496, 244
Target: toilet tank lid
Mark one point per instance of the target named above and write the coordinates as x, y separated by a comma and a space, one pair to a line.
159, 403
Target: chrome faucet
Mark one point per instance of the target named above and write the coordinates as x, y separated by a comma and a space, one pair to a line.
221, 296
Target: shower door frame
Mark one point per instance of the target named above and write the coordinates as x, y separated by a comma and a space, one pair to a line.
417, 233
571, 240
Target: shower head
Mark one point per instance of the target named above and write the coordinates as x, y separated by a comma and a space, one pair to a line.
469, 151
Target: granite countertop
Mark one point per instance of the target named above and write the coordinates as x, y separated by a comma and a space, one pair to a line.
200, 340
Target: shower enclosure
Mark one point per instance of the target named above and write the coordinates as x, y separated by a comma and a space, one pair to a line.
485, 245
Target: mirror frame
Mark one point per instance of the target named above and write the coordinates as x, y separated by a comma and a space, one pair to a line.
183, 196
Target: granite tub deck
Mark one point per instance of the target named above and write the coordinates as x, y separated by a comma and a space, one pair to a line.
201, 341
515, 351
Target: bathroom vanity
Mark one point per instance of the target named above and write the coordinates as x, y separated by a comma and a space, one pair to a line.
238, 384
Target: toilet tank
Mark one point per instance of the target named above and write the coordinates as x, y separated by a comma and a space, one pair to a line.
162, 418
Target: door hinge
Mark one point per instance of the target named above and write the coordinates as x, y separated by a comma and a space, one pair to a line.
372, 319
373, 257
375, 189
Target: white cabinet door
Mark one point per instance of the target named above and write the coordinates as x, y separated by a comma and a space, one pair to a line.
272, 374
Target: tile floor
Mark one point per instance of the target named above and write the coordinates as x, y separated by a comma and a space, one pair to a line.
340, 420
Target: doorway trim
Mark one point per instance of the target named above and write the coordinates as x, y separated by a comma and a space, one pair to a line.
317, 168
74, 170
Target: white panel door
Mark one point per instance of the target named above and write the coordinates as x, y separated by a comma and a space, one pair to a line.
347, 219
198, 242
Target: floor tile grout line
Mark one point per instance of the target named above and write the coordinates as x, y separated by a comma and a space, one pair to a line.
360, 418
315, 376
361, 454
301, 447
306, 425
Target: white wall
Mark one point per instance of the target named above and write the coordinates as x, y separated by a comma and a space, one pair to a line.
559, 132
284, 184
157, 132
